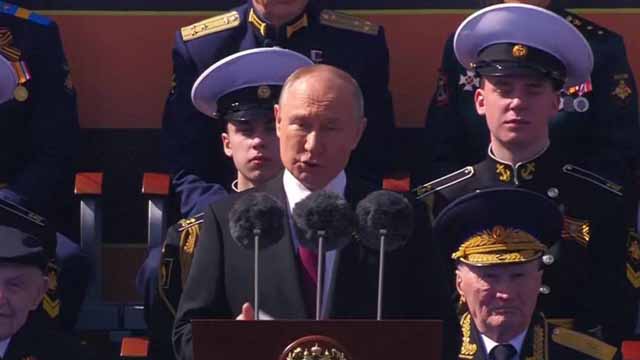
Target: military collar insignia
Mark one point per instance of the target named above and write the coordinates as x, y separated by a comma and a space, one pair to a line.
51, 301
536, 349
468, 348
266, 30
470, 81
633, 259
508, 173
577, 230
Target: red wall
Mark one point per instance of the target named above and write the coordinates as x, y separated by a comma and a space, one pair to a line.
121, 61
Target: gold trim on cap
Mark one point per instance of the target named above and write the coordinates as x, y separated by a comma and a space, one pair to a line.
499, 245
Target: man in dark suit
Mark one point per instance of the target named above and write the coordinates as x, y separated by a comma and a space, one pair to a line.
319, 121
351, 44
38, 138
499, 259
519, 93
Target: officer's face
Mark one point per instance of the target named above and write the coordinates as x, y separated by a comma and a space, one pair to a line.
318, 125
518, 110
280, 11
21, 290
501, 299
253, 146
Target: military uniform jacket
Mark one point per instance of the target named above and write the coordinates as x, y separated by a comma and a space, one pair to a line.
353, 45
34, 343
543, 341
597, 124
39, 129
588, 276
220, 279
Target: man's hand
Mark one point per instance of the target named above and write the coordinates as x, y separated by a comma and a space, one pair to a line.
246, 313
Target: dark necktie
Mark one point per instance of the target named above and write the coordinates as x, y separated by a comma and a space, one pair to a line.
502, 352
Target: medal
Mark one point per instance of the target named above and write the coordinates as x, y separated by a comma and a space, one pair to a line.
21, 93
581, 104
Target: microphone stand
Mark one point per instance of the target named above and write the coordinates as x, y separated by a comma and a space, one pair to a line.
320, 274
256, 251
383, 233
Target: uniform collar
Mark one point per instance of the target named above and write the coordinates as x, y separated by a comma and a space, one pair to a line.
516, 342
296, 191
523, 171
278, 35
4, 344
534, 344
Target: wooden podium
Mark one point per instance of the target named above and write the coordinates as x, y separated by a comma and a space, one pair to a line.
348, 339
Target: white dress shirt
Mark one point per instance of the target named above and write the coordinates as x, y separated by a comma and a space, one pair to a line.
516, 342
296, 192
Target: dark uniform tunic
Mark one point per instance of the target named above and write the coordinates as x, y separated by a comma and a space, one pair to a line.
35, 343
587, 280
38, 134
543, 341
597, 125
354, 45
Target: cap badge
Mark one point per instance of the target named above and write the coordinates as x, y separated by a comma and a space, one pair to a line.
519, 51
264, 92
469, 80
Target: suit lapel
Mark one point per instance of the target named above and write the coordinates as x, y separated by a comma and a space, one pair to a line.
281, 279
348, 271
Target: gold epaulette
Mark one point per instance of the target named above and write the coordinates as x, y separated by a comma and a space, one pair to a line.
189, 232
443, 182
583, 343
585, 26
343, 21
593, 178
211, 25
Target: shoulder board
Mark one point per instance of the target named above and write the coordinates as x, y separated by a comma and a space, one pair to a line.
211, 25
347, 22
587, 27
22, 212
196, 220
583, 343
593, 178
444, 182
22, 13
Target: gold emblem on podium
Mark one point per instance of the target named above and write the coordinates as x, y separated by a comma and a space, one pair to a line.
315, 347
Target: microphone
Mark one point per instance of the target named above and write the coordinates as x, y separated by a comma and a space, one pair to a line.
327, 222
385, 223
256, 221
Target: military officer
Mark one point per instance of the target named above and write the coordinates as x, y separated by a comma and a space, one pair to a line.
597, 124
518, 93
500, 256
38, 135
24, 283
351, 44
245, 103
